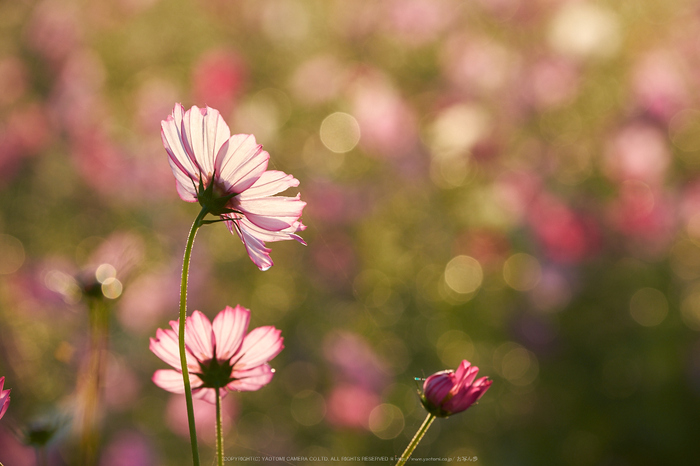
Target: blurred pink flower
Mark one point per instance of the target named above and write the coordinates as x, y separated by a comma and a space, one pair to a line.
417, 22
4, 398
388, 124
13, 450
659, 84
204, 417
478, 65
645, 215
552, 82
54, 30
351, 406
121, 385
77, 100
515, 191
149, 298
219, 354
448, 392
566, 236
25, 132
218, 79
355, 361
227, 174
638, 151
319, 79
14, 79
489, 247
128, 448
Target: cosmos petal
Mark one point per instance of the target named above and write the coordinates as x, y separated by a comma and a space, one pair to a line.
240, 162
165, 346
270, 183
230, 326
259, 346
171, 380
273, 213
199, 336
257, 251
251, 379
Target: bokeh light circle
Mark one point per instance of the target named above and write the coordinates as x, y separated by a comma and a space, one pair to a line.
463, 274
340, 132
648, 307
308, 407
11, 254
522, 272
386, 421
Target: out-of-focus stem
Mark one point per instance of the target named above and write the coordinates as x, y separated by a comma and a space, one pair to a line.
92, 381
416, 440
219, 431
183, 315
41, 456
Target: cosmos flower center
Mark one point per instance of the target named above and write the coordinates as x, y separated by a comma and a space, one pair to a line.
215, 373
214, 196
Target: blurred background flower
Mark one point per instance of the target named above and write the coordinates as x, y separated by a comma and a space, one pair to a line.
514, 183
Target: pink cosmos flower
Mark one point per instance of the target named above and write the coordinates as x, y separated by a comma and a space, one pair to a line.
219, 354
4, 398
447, 392
227, 176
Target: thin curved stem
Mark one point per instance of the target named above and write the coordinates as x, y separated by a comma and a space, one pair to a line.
181, 330
219, 431
416, 440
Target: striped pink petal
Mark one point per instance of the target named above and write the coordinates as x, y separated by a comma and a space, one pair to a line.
165, 346
270, 183
255, 247
272, 213
259, 346
4, 398
230, 326
251, 379
199, 336
241, 162
171, 380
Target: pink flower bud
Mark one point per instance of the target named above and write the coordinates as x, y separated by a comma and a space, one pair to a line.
448, 392
4, 398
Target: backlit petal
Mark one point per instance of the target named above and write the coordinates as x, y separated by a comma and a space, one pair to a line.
171, 380
270, 183
251, 379
199, 336
240, 162
230, 326
208, 394
258, 253
186, 173
437, 386
259, 346
273, 213
165, 346
267, 235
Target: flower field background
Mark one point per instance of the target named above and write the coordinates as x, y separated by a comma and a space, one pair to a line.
511, 182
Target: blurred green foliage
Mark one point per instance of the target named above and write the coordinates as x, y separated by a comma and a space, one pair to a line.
524, 195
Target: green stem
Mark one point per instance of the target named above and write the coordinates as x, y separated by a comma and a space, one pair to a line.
92, 378
416, 440
183, 316
219, 433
